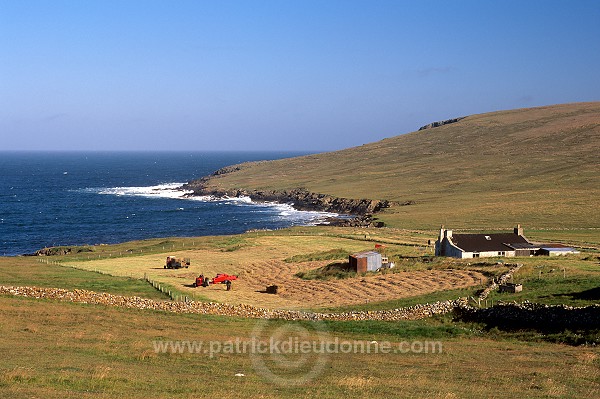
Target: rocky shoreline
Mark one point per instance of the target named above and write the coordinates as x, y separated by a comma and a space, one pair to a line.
360, 210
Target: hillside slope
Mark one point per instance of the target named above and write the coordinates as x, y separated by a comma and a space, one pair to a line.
538, 166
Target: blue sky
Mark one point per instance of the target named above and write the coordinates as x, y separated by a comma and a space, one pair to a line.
279, 75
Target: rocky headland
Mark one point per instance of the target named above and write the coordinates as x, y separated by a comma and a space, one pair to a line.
361, 210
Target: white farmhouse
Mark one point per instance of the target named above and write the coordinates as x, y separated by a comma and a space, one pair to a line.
484, 245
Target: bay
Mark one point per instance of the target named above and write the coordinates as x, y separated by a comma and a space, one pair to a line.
76, 198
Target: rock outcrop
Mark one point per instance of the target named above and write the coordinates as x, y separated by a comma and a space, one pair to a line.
299, 198
441, 123
54, 251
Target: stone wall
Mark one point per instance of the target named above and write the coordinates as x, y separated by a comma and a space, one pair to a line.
535, 316
499, 281
247, 311
509, 316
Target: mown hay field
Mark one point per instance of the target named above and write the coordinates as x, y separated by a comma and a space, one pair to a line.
264, 260
261, 259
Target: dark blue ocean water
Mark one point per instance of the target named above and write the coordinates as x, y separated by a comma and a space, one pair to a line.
49, 199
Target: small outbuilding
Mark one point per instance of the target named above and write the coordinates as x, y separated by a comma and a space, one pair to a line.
556, 250
510, 287
368, 261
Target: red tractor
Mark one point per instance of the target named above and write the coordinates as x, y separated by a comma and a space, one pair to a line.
201, 281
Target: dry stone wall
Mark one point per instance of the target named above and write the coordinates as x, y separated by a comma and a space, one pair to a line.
527, 315
212, 308
512, 315
501, 280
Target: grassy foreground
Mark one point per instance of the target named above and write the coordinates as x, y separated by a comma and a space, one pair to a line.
61, 350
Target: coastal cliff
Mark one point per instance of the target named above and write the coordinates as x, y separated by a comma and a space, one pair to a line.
301, 199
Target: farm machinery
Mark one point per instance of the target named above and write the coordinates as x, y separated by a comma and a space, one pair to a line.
220, 278
177, 263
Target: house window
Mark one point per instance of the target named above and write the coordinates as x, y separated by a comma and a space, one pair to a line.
475, 255
501, 253
488, 238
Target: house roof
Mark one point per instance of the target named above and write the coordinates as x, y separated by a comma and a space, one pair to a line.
487, 242
521, 245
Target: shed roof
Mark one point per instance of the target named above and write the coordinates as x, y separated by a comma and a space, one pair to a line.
365, 254
558, 249
553, 245
487, 242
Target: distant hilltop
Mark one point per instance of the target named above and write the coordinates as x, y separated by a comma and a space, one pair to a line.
538, 166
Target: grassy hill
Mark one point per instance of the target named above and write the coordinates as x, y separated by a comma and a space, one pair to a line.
537, 166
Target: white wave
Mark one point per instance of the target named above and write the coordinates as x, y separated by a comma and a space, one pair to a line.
170, 190
212, 198
174, 191
288, 212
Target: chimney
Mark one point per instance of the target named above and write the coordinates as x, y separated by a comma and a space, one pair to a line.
518, 230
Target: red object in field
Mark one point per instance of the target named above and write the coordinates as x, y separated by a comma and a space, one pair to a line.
379, 246
222, 277
201, 281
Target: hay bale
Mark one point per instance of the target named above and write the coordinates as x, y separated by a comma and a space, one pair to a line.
274, 289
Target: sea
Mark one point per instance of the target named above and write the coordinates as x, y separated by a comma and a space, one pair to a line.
88, 198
